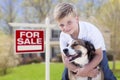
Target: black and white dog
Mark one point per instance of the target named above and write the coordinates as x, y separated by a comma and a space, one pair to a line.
81, 53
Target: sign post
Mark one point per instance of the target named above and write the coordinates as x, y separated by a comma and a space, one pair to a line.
47, 55
47, 26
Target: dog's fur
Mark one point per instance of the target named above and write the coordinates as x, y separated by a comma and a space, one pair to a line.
81, 53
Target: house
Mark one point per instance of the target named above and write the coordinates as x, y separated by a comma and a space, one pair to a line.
54, 44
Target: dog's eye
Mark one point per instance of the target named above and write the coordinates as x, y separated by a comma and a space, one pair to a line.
67, 45
74, 44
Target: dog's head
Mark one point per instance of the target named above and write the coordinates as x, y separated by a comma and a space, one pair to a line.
78, 48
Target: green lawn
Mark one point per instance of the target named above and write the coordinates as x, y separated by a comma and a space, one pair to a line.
34, 72
37, 72
117, 65
117, 72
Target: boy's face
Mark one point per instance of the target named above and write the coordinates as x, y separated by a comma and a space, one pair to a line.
69, 24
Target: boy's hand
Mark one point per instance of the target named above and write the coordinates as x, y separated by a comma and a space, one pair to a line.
84, 73
81, 72
93, 73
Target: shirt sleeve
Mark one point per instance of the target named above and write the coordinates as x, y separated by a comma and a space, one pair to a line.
96, 37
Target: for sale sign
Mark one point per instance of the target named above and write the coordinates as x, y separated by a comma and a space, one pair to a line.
29, 41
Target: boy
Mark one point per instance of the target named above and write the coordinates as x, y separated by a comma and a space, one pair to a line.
66, 16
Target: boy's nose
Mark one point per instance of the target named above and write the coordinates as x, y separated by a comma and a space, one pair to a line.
65, 28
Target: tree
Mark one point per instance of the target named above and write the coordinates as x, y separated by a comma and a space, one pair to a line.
37, 9
88, 8
9, 11
7, 57
8, 14
109, 16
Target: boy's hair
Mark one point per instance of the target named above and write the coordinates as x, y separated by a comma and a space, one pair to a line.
64, 9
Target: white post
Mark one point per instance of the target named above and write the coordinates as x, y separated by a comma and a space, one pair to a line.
47, 53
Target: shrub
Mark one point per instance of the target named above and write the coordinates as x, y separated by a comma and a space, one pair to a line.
57, 58
29, 60
7, 57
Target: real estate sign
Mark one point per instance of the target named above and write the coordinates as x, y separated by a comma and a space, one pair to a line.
29, 41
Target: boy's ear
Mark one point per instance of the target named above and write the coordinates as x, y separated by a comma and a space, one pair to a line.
77, 18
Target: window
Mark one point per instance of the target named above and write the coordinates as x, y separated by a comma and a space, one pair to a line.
55, 50
55, 34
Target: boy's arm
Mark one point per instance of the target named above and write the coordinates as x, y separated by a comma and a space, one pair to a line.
96, 60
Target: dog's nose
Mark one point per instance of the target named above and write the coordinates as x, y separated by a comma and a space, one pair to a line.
65, 50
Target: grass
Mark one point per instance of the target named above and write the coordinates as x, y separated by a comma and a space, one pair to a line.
117, 65
37, 72
34, 72
117, 72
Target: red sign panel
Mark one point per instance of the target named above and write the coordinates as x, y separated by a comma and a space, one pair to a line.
29, 41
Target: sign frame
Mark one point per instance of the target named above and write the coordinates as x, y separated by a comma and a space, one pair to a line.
47, 27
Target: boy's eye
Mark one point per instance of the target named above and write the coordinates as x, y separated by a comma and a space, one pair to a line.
69, 22
61, 25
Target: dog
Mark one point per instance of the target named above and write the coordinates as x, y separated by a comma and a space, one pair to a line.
81, 52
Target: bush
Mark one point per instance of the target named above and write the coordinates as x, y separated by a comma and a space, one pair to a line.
29, 60
57, 58
26, 60
37, 59
110, 55
7, 57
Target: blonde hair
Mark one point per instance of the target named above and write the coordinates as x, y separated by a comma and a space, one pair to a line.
64, 9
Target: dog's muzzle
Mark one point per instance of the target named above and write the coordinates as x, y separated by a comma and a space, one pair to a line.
69, 52
66, 52
77, 54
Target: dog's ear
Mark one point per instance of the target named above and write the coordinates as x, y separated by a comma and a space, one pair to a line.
91, 50
89, 46
81, 42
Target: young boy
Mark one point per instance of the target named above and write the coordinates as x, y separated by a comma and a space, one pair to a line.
67, 18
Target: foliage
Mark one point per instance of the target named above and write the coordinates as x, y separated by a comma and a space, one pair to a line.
109, 16
39, 7
29, 60
8, 13
57, 58
35, 11
7, 57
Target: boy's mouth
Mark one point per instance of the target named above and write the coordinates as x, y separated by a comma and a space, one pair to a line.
68, 30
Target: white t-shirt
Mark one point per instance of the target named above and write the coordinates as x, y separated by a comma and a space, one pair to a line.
87, 32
